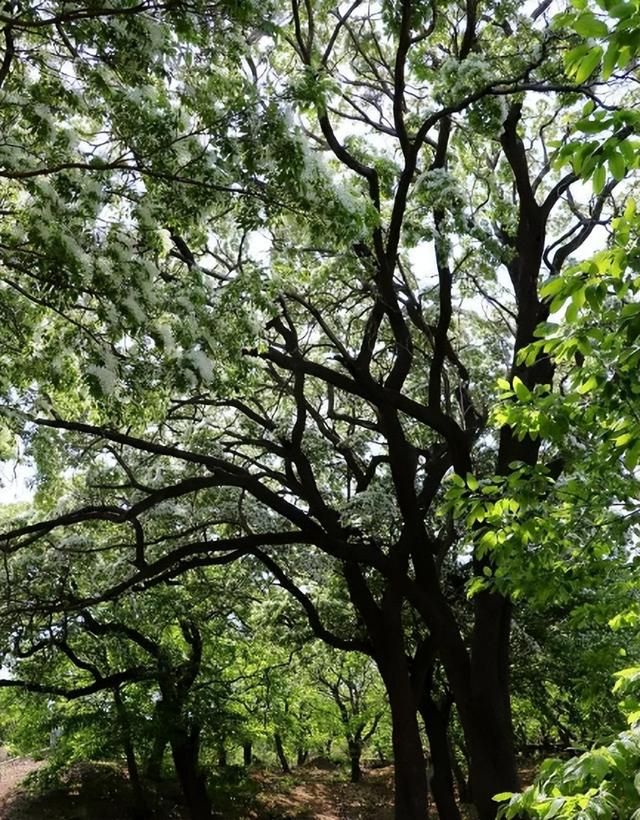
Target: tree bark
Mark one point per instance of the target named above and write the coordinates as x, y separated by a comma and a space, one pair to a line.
384, 624
436, 722
355, 753
247, 753
492, 760
185, 749
222, 755
282, 757
141, 809
411, 786
153, 765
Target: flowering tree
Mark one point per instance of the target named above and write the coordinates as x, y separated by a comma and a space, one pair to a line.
259, 285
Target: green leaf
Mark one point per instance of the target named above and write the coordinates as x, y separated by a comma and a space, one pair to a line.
621, 10
588, 64
521, 390
610, 59
555, 808
571, 313
552, 286
588, 25
587, 386
599, 178
632, 456
476, 585
591, 126
617, 165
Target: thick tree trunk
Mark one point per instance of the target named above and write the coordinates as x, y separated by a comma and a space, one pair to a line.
436, 722
282, 757
492, 760
185, 749
247, 753
411, 786
355, 753
385, 627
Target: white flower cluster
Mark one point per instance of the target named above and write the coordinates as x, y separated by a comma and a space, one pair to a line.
106, 373
461, 78
201, 364
441, 188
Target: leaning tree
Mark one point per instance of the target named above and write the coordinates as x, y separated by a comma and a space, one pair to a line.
262, 268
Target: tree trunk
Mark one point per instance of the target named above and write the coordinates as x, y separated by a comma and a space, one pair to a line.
140, 809
284, 763
458, 773
302, 756
492, 760
411, 786
185, 749
387, 633
436, 720
247, 753
355, 752
153, 765
222, 755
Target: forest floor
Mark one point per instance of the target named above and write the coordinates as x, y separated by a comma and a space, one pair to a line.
316, 791
320, 793
100, 792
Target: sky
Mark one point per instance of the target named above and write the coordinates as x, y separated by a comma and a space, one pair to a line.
14, 482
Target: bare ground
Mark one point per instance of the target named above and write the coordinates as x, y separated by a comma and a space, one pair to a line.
309, 794
101, 792
318, 794
12, 773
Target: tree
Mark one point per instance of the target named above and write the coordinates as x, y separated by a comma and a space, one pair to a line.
353, 685
279, 280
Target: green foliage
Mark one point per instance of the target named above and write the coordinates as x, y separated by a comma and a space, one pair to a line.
600, 783
269, 284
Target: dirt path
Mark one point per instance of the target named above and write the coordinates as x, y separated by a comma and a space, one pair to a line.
321, 795
12, 773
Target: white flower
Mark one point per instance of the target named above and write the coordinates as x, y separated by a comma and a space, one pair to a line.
202, 364
106, 377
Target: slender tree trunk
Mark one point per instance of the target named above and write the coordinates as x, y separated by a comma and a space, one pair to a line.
141, 809
185, 749
282, 757
436, 722
302, 756
222, 755
247, 753
458, 773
